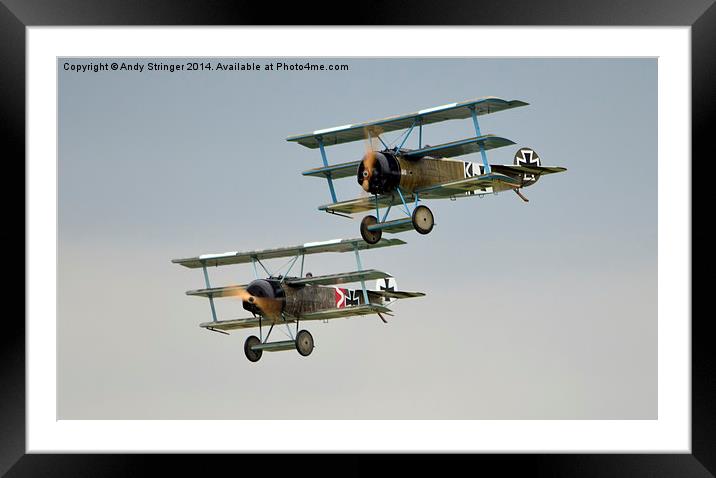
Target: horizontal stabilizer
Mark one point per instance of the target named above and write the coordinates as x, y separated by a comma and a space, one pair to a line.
395, 294
337, 171
519, 169
340, 278
460, 147
356, 132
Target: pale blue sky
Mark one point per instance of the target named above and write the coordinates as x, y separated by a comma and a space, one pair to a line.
538, 310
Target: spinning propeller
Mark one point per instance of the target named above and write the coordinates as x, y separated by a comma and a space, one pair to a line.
269, 307
368, 160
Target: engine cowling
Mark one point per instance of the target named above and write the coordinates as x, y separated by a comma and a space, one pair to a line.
264, 288
384, 175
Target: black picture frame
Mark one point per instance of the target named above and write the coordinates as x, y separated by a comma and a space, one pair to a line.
16, 15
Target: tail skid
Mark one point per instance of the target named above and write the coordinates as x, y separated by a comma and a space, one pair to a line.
522, 196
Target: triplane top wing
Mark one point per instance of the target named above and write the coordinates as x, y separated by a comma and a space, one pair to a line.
355, 132
236, 257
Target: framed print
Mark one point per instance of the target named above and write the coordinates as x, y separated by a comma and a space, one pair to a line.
551, 322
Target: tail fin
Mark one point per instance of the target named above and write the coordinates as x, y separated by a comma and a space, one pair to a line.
389, 283
353, 297
527, 157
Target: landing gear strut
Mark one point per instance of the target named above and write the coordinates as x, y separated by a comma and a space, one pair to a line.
421, 219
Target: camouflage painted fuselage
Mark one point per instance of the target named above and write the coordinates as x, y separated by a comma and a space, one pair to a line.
298, 301
431, 171
392, 170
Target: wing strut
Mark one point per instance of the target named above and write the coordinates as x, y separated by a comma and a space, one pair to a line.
325, 164
477, 131
407, 135
208, 286
360, 268
420, 133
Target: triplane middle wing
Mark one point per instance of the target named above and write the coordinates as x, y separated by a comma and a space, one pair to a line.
281, 299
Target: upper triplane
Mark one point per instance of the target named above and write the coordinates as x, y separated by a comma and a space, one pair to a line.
398, 176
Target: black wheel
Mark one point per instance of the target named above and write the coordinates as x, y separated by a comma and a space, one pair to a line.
304, 343
252, 355
371, 237
423, 220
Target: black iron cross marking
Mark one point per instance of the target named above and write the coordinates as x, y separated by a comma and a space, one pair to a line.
352, 297
528, 161
387, 287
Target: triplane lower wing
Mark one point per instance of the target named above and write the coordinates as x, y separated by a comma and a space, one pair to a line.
280, 299
399, 176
